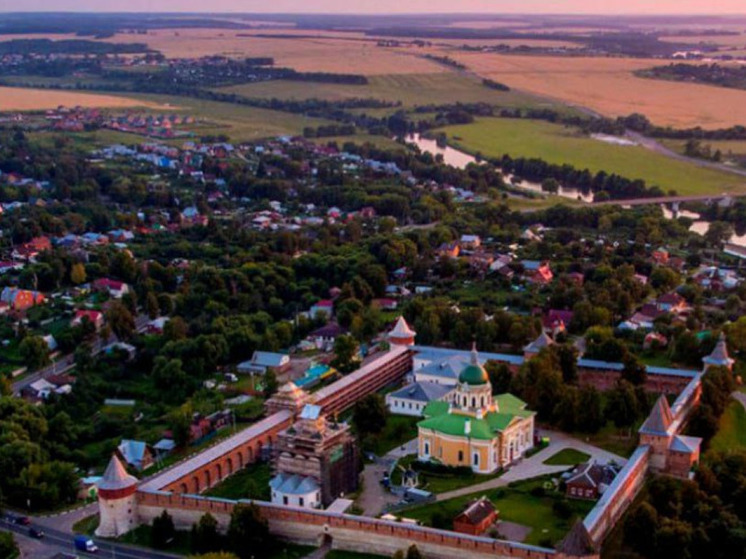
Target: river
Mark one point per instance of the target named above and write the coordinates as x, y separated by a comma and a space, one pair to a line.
460, 160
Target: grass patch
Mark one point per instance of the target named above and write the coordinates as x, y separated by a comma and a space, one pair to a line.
142, 536
559, 144
439, 482
567, 457
409, 89
87, 525
526, 503
399, 429
250, 483
731, 433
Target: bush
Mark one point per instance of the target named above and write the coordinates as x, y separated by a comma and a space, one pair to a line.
562, 509
538, 492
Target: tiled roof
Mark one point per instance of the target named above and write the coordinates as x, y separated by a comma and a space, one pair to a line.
422, 392
116, 477
659, 420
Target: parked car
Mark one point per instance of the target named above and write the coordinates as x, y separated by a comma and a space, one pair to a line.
35, 533
23, 520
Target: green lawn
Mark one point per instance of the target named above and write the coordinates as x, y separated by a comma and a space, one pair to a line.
86, 525
382, 142
399, 430
731, 433
567, 457
439, 482
559, 144
410, 89
516, 504
250, 483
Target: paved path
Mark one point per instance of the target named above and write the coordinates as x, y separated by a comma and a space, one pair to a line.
535, 467
375, 496
65, 520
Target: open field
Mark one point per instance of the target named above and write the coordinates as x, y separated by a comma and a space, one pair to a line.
731, 433
337, 53
516, 504
240, 123
411, 90
608, 86
723, 40
19, 99
736, 147
558, 144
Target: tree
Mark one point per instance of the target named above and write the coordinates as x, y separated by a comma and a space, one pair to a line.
590, 414
369, 416
640, 528
500, 377
249, 532
271, 384
8, 545
175, 329
179, 422
77, 273
151, 305
35, 352
568, 362
205, 535
621, 407
121, 321
413, 552
634, 371
718, 232
163, 531
345, 354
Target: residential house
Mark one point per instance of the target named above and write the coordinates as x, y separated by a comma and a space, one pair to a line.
31, 249
470, 242
537, 272
660, 256
21, 299
323, 338
449, 250
263, 361
94, 317
157, 325
671, 302
135, 453
476, 518
385, 304
114, 288
590, 480
324, 307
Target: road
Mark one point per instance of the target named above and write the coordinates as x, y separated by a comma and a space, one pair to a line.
657, 147
669, 199
56, 540
67, 362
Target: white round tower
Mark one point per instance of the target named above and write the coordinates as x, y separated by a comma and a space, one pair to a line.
116, 501
402, 334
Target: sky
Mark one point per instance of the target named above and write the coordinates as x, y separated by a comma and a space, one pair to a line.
389, 6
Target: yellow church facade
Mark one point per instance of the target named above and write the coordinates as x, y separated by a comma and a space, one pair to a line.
475, 429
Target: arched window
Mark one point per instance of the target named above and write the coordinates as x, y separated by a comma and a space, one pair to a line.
476, 459
473, 402
427, 449
460, 455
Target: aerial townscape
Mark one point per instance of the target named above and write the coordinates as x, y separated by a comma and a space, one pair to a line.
373, 280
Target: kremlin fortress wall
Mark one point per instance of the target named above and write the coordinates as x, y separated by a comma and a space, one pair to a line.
129, 503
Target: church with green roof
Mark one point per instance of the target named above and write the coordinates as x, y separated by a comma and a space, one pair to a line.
475, 428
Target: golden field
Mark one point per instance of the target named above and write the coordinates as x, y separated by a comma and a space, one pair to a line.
19, 99
322, 53
608, 86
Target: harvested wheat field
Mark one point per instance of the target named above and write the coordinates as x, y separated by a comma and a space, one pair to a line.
352, 54
608, 86
21, 99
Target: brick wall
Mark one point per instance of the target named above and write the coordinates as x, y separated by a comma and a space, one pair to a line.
352, 533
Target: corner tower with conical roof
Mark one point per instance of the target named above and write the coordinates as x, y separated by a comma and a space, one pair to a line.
402, 334
719, 356
116, 501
